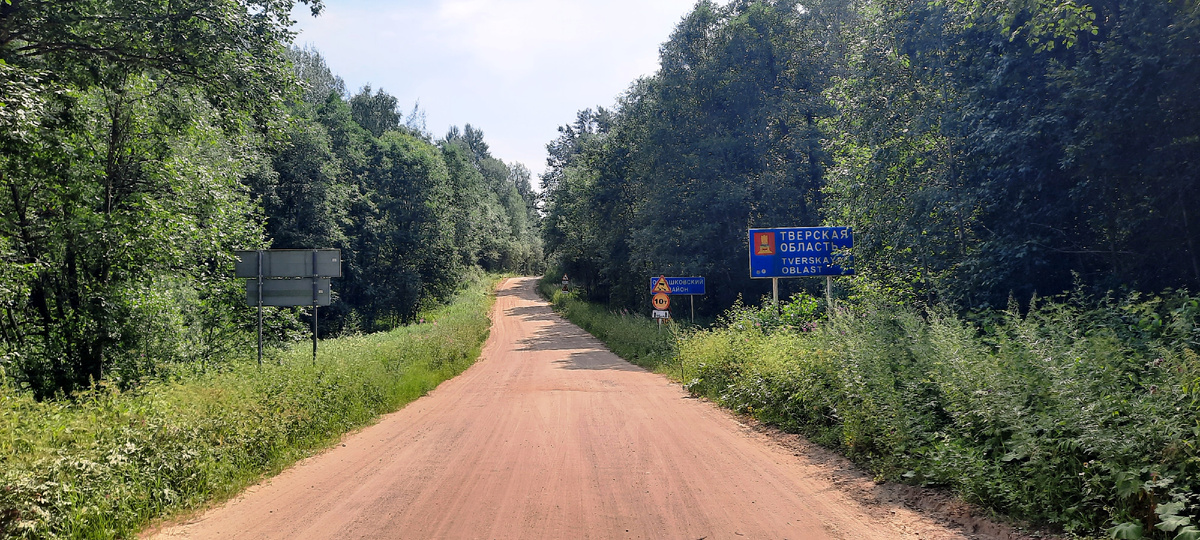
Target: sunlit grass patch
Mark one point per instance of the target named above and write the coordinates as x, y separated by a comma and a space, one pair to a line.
634, 337
106, 463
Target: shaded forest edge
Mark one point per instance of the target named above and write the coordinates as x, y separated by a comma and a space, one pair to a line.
1079, 415
107, 463
137, 153
980, 150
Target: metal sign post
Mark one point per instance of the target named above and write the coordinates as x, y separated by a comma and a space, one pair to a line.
260, 288
289, 277
314, 304
690, 286
775, 293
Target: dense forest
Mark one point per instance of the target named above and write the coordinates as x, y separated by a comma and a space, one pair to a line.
141, 143
980, 150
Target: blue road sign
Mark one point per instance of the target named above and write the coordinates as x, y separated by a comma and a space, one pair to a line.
801, 252
682, 285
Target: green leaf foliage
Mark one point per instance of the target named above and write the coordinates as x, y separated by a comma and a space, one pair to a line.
973, 166
141, 143
1126, 531
978, 149
723, 137
1069, 414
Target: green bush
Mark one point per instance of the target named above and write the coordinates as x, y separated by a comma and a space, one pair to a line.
107, 462
800, 312
1079, 414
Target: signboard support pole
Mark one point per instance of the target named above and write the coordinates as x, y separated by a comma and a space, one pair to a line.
775, 293
297, 277
314, 290
692, 297
260, 288
829, 291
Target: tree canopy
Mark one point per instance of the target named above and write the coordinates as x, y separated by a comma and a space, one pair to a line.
978, 149
141, 143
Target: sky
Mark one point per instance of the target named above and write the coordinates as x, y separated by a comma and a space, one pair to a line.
516, 69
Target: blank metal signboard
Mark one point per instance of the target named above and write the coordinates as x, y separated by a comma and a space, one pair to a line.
289, 292
284, 263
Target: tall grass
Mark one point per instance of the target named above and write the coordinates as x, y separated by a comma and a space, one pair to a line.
107, 463
634, 337
1077, 413
1082, 415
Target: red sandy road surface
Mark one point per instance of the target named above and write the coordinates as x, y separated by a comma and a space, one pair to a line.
550, 435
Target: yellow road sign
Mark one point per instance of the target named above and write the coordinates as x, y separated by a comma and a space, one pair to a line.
662, 286
661, 301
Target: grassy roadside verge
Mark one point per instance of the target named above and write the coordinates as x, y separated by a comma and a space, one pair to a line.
633, 337
1083, 416
107, 464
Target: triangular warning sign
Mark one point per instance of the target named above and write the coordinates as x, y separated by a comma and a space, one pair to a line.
661, 285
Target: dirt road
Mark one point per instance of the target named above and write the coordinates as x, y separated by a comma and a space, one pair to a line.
548, 436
